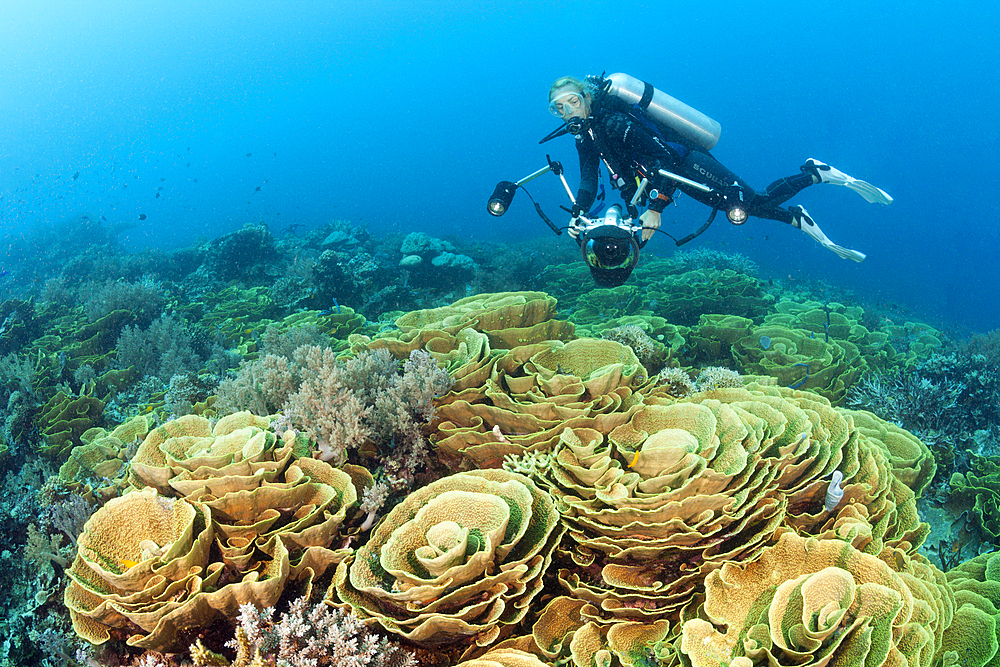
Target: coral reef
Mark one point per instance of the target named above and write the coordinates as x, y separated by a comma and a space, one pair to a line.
701, 466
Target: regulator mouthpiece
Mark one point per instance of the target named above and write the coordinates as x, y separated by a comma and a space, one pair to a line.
576, 126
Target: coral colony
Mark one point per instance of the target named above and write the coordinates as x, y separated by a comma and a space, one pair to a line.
338, 449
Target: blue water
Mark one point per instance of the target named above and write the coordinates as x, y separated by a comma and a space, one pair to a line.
404, 114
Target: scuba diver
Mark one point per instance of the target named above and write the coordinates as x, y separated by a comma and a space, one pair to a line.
614, 122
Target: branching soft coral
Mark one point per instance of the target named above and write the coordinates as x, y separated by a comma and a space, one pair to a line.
343, 405
371, 398
42, 549
261, 386
328, 404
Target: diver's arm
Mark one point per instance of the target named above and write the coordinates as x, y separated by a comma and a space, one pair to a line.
650, 151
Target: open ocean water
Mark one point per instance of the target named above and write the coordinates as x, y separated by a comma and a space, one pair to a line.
403, 115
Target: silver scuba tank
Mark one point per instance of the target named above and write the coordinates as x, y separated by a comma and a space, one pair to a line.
693, 125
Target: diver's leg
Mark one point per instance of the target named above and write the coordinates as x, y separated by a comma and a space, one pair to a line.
798, 217
802, 220
784, 189
706, 169
703, 168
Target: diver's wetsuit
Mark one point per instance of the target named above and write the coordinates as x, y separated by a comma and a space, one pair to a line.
626, 143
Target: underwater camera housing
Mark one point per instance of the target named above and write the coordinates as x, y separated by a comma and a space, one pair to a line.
610, 246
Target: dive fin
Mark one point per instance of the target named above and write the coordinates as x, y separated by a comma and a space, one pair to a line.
802, 220
827, 174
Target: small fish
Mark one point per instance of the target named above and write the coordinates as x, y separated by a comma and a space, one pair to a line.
257, 189
249, 154
163, 180
104, 219
188, 164
157, 196
142, 216
129, 563
76, 176
634, 459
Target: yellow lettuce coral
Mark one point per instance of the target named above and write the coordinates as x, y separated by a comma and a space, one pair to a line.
459, 559
818, 602
533, 392
658, 503
153, 568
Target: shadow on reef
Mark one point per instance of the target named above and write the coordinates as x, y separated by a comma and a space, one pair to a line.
408, 450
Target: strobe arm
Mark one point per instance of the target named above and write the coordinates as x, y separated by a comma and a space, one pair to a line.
503, 194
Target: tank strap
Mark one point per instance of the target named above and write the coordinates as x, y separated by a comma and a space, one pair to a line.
647, 96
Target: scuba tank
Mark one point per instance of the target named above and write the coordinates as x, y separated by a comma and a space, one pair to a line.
691, 124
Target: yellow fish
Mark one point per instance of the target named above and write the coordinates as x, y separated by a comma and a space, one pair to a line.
129, 563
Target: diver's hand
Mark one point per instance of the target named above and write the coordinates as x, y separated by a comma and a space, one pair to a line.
575, 227
650, 223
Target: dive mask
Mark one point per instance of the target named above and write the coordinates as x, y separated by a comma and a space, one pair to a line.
566, 103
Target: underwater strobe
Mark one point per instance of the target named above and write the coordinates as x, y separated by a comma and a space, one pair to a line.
503, 195
737, 215
735, 203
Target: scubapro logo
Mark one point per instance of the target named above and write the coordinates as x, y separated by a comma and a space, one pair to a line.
706, 173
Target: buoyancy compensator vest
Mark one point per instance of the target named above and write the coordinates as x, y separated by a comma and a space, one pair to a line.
691, 125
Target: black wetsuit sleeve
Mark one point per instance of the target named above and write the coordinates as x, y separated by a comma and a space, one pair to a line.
640, 146
589, 171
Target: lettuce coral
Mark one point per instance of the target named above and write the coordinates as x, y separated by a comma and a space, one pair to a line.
153, 567
460, 559
657, 503
530, 394
815, 602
